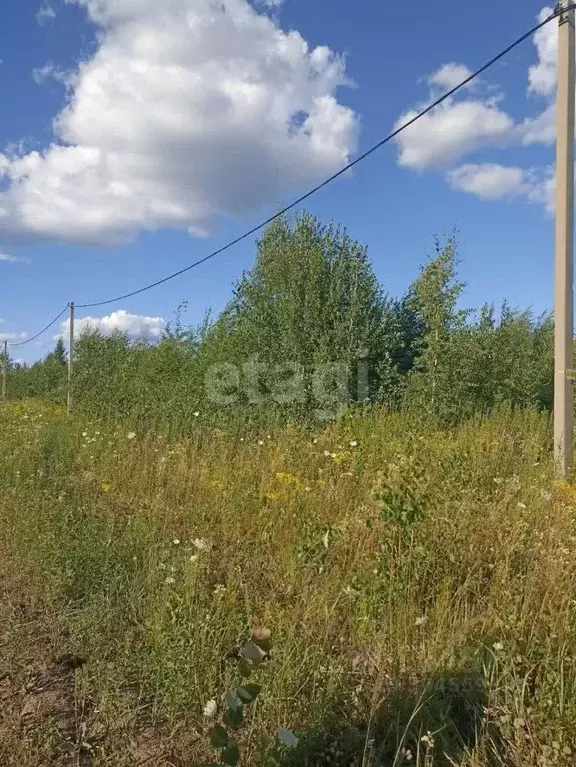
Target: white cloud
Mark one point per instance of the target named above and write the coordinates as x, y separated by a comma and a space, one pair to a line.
45, 13
449, 76
188, 110
450, 131
540, 129
463, 125
135, 326
542, 75
13, 337
49, 71
12, 259
491, 181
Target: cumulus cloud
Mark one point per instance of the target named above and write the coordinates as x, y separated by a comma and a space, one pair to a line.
135, 326
449, 76
469, 123
452, 130
188, 110
542, 76
491, 181
13, 337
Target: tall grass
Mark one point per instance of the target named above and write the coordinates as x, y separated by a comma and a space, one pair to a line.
420, 585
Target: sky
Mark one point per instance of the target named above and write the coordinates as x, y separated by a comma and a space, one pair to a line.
139, 136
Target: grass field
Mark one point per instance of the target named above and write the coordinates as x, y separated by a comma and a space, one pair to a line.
419, 587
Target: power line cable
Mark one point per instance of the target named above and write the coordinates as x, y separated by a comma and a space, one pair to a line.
39, 333
558, 10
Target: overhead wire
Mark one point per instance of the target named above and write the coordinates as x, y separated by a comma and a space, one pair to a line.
40, 332
396, 132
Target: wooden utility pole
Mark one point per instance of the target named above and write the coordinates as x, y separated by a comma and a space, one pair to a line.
4, 369
564, 262
70, 357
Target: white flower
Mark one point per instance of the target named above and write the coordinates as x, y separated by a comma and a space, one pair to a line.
169, 579
546, 495
84, 433
210, 709
196, 414
498, 646
353, 443
521, 505
194, 558
131, 435
327, 453
176, 541
260, 442
219, 588
421, 620
200, 544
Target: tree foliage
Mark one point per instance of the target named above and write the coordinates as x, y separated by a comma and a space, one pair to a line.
313, 302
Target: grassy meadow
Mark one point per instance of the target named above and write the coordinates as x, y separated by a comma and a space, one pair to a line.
419, 586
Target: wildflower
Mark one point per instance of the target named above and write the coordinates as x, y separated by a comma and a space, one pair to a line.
327, 453
546, 495
196, 414
498, 646
210, 709
106, 487
353, 443
84, 433
260, 442
131, 435
421, 620
219, 588
428, 739
200, 544
194, 558
169, 580
521, 505
176, 541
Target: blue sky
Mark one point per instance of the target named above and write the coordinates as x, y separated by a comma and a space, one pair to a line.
138, 136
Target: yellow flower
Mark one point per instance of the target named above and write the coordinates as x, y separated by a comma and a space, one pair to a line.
106, 487
289, 479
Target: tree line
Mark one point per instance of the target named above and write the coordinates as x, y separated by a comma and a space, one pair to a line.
307, 331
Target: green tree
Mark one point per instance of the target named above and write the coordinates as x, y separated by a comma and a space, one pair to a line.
435, 382
311, 298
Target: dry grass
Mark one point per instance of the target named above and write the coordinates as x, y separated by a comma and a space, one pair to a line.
414, 581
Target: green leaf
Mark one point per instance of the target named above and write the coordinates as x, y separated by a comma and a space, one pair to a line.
233, 718
218, 737
233, 700
249, 692
231, 754
244, 668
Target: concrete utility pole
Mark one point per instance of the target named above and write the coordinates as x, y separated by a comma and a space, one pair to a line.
70, 357
4, 369
564, 266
